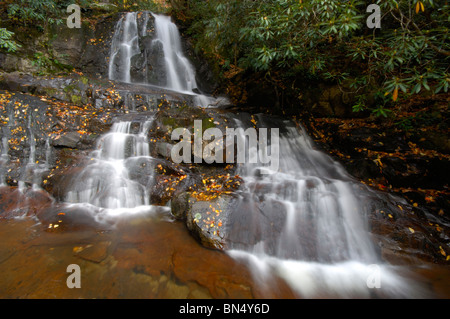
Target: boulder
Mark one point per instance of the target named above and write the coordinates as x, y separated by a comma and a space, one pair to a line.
206, 219
68, 139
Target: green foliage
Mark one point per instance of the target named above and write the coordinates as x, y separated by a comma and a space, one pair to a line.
6, 41
406, 124
153, 6
48, 64
412, 54
381, 110
360, 104
42, 62
289, 32
140, 5
38, 11
408, 55
281, 33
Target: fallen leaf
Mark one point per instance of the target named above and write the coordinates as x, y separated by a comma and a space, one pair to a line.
395, 95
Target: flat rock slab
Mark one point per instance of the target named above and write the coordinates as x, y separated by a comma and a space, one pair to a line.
93, 252
69, 139
146, 256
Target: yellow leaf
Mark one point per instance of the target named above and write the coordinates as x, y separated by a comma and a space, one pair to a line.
411, 230
77, 249
378, 161
417, 6
395, 94
422, 6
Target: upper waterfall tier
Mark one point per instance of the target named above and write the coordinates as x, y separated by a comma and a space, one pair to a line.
146, 48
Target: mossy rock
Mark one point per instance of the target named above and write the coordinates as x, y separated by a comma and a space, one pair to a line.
76, 99
84, 80
69, 88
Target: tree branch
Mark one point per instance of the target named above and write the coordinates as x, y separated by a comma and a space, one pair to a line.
433, 46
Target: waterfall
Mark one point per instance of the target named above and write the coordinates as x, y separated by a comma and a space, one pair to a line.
180, 72
4, 155
31, 171
308, 223
108, 183
48, 153
3, 161
32, 157
177, 73
125, 45
105, 183
322, 206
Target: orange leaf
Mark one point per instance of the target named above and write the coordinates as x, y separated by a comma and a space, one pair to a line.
395, 94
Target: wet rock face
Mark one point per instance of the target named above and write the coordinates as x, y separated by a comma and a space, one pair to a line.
98, 93
407, 235
39, 134
69, 139
206, 218
85, 48
24, 135
15, 203
227, 221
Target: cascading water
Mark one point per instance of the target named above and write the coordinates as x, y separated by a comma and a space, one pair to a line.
36, 166
307, 222
105, 184
125, 45
178, 73
320, 203
3, 160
